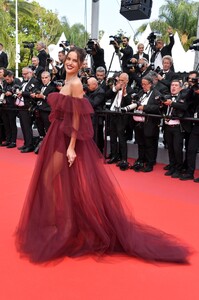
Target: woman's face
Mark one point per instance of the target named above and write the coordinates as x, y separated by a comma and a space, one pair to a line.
72, 64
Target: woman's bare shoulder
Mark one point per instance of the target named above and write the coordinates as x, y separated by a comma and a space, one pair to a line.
77, 88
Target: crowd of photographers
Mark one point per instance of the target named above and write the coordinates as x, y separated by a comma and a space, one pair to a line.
159, 99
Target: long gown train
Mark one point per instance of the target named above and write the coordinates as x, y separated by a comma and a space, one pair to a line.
80, 210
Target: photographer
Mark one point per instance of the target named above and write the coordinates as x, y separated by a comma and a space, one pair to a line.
37, 69
42, 109
42, 55
101, 77
59, 69
120, 94
160, 50
9, 114
96, 97
193, 143
24, 101
174, 107
137, 70
93, 48
146, 128
127, 52
3, 57
166, 75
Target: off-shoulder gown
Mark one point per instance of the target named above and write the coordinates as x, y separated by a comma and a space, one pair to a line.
82, 210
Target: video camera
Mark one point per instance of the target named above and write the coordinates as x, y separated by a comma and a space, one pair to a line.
195, 45
29, 45
90, 46
115, 39
65, 45
152, 38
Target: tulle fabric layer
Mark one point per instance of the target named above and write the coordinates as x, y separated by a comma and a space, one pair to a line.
81, 210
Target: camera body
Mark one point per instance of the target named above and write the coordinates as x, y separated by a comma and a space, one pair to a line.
90, 46
59, 82
115, 39
49, 60
29, 45
65, 45
195, 82
163, 98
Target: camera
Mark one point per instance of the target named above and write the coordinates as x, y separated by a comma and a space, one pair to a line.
194, 47
195, 82
29, 45
49, 60
111, 81
15, 90
59, 82
151, 38
115, 39
90, 46
65, 45
163, 98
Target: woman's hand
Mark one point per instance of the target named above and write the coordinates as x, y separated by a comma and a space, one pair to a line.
71, 155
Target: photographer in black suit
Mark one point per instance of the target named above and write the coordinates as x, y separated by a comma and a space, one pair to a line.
96, 96
42, 54
42, 109
97, 54
120, 95
127, 53
146, 127
3, 57
140, 53
37, 69
161, 50
9, 114
24, 101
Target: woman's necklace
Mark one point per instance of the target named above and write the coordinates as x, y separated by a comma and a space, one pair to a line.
71, 79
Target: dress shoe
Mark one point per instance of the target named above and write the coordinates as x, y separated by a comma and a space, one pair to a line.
148, 169
186, 176
137, 167
170, 172
113, 160
22, 147
124, 165
11, 145
167, 167
27, 149
5, 144
176, 175
196, 180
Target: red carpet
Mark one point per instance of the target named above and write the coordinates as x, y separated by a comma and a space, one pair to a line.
166, 203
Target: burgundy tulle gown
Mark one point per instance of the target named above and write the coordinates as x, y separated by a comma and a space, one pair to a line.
81, 210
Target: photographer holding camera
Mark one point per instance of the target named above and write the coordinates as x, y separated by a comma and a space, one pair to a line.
127, 52
120, 96
97, 53
160, 50
11, 86
59, 70
37, 69
42, 109
24, 101
174, 107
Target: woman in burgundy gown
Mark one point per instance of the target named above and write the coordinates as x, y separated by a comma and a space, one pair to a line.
74, 206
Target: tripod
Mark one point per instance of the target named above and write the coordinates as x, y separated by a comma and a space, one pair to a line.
113, 55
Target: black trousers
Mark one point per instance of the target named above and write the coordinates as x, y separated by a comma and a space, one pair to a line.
9, 121
174, 139
118, 126
26, 127
42, 122
192, 149
147, 145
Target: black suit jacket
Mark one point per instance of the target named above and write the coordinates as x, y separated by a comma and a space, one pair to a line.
43, 105
3, 60
166, 50
33, 84
42, 55
38, 71
152, 107
127, 55
144, 55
